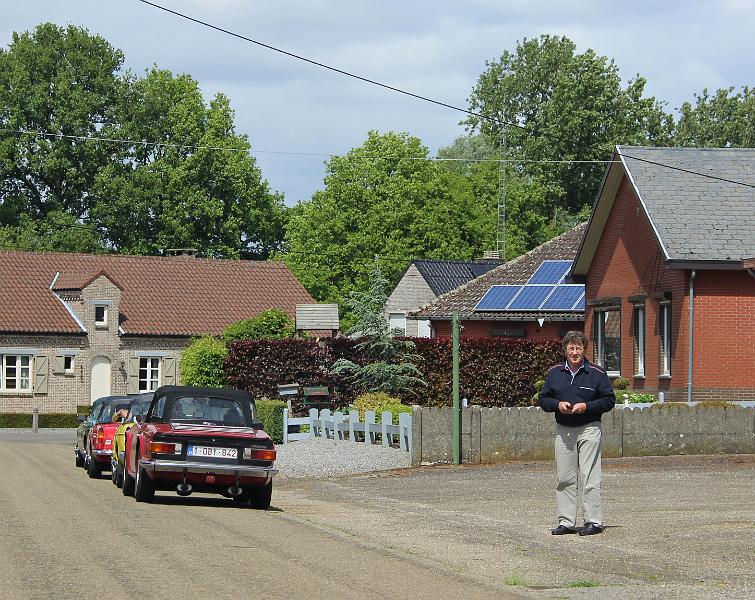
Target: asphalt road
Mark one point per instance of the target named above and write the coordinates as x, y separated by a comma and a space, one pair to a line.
63, 535
678, 527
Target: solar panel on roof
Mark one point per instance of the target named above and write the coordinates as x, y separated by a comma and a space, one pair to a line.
531, 297
551, 271
580, 305
563, 297
498, 297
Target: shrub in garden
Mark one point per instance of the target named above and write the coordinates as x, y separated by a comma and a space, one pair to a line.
15, 420
203, 363
273, 324
620, 383
391, 362
270, 413
380, 402
62, 420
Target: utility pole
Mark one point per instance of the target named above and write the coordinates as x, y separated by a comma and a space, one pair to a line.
456, 412
500, 240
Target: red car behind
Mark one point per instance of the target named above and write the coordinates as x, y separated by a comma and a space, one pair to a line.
200, 440
100, 437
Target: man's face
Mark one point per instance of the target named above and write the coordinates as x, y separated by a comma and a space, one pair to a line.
574, 354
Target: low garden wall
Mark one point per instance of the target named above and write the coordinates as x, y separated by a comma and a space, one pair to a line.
491, 435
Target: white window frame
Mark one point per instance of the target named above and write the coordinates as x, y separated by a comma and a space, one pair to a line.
424, 329
18, 377
69, 363
392, 318
638, 320
101, 323
152, 368
599, 334
664, 338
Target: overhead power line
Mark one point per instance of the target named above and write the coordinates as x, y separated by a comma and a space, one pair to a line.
128, 142
367, 156
421, 97
484, 117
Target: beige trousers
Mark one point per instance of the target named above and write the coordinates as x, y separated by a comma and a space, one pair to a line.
578, 456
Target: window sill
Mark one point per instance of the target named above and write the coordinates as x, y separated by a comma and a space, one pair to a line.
664, 376
100, 326
16, 393
613, 373
639, 376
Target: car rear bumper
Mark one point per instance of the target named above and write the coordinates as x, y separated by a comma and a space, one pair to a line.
102, 454
181, 466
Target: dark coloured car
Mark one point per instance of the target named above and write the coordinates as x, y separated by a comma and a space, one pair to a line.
200, 440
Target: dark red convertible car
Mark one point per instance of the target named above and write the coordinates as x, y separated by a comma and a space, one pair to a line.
200, 440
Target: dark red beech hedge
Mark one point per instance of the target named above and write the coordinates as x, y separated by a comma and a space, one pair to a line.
494, 371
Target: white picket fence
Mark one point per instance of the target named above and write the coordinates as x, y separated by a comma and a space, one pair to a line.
345, 427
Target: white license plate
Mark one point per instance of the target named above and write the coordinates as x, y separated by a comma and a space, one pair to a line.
212, 452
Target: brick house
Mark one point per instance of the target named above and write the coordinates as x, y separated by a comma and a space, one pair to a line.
478, 319
74, 327
421, 283
667, 262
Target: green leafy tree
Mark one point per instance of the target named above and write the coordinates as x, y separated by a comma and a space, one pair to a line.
273, 324
198, 187
63, 82
383, 198
570, 106
476, 161
57, 231
203, 363
390, 366
723, 119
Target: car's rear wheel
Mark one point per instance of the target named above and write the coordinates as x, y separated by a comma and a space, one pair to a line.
79, 457
128, 483
260, 496
112, 472
119, 474
243, 499
93, 469
144, 488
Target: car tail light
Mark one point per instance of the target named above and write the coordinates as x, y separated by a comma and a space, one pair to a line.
259, 454
164, 448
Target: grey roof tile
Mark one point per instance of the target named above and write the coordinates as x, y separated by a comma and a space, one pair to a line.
697, 218
516, 271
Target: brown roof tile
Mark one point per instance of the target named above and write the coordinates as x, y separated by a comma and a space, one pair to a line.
161, 296
516, 271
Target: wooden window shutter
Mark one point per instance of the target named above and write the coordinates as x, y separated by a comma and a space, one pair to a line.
132, 384
58, 365
40, 375
169, 371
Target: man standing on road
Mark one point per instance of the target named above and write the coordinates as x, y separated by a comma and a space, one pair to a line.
578, 392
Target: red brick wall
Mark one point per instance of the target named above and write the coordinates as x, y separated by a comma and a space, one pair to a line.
629, 262
476, 329
724, 340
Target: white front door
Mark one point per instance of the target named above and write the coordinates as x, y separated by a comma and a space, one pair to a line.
99, 378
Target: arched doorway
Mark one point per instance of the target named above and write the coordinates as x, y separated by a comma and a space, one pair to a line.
99, 379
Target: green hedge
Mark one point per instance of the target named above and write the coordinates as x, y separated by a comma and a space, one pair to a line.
270, 412
24, 420
83, 409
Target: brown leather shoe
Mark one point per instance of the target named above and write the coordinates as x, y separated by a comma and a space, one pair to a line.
591, 529
562, 530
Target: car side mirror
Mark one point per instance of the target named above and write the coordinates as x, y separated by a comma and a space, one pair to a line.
258, 425
81, 418
138, 418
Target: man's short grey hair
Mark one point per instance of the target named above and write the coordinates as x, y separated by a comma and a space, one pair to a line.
574, 337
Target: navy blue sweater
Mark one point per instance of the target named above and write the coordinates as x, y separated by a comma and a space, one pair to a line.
590, 385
